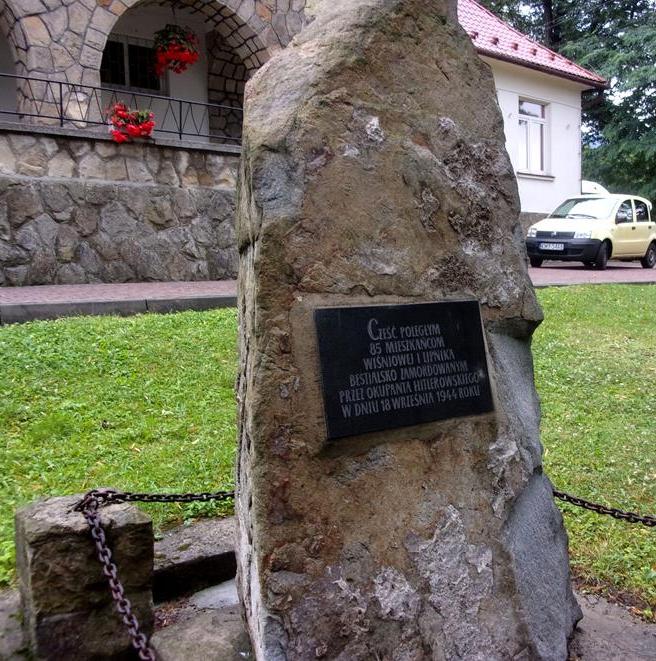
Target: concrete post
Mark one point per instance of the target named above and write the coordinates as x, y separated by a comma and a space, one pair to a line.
68, 610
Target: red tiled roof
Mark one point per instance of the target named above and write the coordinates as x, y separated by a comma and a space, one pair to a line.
494, 38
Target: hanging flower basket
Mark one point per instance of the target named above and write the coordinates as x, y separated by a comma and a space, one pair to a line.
176, 49
130, 124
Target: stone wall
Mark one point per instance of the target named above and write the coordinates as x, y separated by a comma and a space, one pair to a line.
87, 210
64, 39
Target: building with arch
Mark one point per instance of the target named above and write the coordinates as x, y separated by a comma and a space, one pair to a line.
75, 207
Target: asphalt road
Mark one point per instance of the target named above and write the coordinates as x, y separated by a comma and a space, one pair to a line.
564, 273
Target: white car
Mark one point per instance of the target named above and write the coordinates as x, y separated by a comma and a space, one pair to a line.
593, 229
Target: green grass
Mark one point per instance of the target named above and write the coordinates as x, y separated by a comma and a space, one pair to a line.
147, 403
144, 403
595, 363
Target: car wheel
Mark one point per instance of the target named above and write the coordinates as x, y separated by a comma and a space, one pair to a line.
602, 256
649, 260
536, 262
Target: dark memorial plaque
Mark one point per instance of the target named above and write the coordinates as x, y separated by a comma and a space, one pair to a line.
388, 366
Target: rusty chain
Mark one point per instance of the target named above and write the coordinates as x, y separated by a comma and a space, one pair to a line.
629, 517
89, 506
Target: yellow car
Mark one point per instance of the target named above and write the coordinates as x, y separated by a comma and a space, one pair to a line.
593, 229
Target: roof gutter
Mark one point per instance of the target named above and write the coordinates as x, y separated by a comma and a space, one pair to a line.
545, 69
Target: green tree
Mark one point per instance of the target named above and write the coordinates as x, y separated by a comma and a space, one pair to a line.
617, 39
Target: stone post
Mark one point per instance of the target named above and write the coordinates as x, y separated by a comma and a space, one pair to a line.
374, 179
67, 607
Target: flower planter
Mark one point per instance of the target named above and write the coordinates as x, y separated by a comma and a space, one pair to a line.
128, 124
176, 49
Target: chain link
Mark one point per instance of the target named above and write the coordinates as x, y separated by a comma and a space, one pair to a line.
89, 506
630, 517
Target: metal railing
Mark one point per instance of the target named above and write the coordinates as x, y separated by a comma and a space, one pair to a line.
47, 102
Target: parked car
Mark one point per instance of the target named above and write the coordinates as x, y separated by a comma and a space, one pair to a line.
593, 229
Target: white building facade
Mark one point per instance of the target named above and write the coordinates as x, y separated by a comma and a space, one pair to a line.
539, 93
542, 123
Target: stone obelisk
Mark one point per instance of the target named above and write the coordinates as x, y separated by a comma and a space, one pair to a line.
391, 499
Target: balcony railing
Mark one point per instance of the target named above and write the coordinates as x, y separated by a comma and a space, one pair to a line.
57, 103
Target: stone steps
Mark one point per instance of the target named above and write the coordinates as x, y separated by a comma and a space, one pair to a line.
191, 558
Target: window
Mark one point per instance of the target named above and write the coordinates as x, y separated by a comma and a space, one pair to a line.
591, 207
129, 63
532, 138
624, 213
642, 213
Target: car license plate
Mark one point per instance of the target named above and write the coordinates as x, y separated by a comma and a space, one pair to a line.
552, 246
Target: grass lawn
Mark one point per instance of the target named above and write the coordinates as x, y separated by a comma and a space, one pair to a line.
147, 403
142, 403
595, 364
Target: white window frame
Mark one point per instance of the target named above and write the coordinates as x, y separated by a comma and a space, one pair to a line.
544, 123
136, 41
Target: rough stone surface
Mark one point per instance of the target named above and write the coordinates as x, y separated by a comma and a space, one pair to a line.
210, 635
374, 171
95, 213
189, 558
68, 611
216, 597
608, 633
12, 638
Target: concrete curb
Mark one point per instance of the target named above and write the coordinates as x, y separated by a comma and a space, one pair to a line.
546, 285
15, 313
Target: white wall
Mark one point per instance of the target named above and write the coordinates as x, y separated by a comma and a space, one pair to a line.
191, 85
542, 194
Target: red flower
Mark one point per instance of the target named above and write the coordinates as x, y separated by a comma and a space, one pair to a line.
118, 136
146, 129
176, 48
130, 123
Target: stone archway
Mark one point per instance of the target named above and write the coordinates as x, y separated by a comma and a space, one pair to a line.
245, 27
13, 56
209, 96
67, 42
12, 31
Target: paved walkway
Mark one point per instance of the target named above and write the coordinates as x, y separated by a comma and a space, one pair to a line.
19, 304
559, 273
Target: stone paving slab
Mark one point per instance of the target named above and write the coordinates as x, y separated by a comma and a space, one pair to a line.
210, 635
127, 291
20, 304
208, 626
608, 632
190, 558
12, 640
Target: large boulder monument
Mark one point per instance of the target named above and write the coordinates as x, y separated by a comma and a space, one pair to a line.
391, 499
